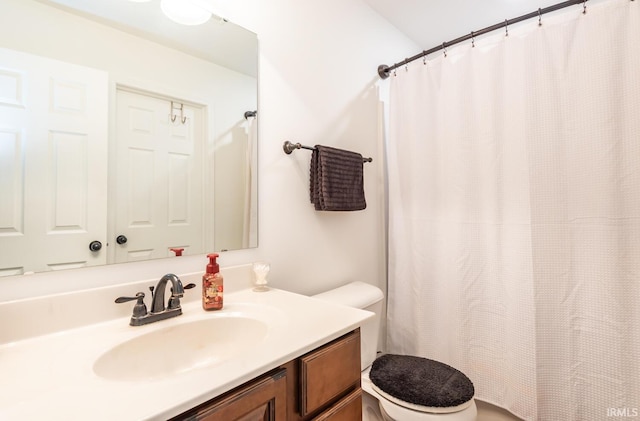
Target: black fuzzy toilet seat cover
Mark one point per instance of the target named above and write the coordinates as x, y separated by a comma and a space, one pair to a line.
421, 381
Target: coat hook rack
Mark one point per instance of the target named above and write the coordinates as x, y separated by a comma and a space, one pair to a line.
289, 147
183, 118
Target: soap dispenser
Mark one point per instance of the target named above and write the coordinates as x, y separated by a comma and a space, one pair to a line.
212, 285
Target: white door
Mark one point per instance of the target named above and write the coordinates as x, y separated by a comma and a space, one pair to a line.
53, 171
158, 198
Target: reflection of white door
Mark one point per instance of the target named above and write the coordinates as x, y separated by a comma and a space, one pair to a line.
53, 171
158, 198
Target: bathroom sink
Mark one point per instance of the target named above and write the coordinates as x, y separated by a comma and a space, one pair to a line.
180, 348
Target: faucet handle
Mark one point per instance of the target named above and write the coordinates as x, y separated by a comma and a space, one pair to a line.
174, 302
188, 286
139, 296
140, 309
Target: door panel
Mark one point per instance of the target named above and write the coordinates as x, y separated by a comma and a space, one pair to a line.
158, 199
53, 172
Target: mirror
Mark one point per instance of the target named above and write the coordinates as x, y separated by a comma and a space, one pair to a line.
123, 136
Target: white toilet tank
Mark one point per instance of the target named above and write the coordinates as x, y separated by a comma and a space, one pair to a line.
366, 297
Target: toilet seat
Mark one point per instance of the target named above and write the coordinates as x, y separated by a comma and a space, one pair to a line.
410, 388
393, 411
421, 384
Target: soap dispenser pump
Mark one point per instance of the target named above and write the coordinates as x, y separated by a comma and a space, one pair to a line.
212, 285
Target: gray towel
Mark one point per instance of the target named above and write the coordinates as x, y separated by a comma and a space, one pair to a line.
337, 182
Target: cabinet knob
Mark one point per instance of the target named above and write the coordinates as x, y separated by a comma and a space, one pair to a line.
121, 239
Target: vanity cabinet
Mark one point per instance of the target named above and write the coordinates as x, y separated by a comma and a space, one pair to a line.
261, 399
322, 385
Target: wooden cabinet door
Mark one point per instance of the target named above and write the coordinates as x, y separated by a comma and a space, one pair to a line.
348, 408
329, 372
261, 400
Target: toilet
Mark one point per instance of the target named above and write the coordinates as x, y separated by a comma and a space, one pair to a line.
452, 396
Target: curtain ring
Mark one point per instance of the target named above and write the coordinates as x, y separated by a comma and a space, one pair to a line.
506, 27
539, 17
424, 58
444, 48
473, 40
584, 7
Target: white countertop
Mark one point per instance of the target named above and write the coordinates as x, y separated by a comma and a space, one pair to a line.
51, 376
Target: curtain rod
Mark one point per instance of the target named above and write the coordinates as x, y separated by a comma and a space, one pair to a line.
384, 70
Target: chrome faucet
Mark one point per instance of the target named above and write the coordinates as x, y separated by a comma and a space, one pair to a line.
158, 310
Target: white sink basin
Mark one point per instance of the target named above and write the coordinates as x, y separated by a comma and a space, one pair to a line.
181, 348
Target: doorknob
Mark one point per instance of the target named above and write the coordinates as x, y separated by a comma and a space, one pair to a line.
95, 246
121, 239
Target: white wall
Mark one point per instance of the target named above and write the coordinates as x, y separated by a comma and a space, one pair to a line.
317, 84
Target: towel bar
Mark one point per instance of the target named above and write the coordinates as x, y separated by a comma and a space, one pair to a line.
289, 147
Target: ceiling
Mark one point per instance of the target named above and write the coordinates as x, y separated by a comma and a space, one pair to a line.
218, 41
426, 22
431, 22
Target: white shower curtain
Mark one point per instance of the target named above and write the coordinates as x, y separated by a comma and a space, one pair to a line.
514, 213
250, 224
